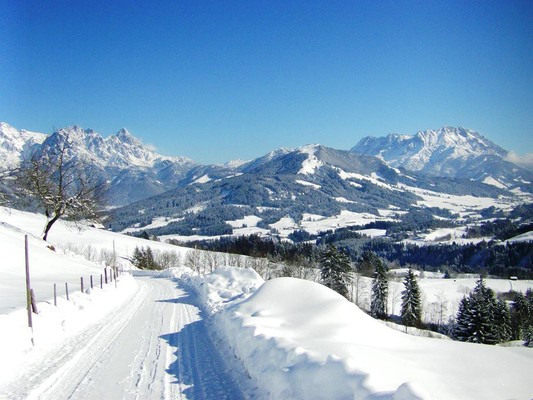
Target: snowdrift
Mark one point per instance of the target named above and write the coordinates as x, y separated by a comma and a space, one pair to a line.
300, 340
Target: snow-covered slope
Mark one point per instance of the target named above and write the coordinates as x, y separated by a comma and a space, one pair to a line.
15, 143
448, 151
301, 340
59, 265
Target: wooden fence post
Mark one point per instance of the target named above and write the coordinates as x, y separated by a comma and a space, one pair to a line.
28, 288
33, 302
105, 272
81, 283
101, 283
66, 290
55, 295
91, 282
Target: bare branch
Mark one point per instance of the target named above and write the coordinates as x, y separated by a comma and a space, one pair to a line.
61, 185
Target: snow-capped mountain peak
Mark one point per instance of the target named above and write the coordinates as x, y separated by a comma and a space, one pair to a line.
16, 142
448, 151
135, 170
439, 152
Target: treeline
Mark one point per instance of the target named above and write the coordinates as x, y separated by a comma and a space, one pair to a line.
497, 259
493, 258
257, 246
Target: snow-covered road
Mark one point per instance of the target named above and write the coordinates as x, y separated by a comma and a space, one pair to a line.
156, 347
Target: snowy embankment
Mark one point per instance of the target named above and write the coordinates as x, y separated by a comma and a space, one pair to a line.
53, 325
300, 340
64, 263
21, 347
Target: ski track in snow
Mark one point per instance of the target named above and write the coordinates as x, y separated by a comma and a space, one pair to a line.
157, 347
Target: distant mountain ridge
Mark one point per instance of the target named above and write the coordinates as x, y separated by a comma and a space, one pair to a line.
451, 152
175, 194
295, 188
133, 170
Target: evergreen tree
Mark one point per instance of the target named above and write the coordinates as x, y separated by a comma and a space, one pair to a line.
149, 258
144, 258
380, 286
502, 322
461, 329
480, 319
521, 315
482, 304
335, 270
528, 337
411, 302
138, 257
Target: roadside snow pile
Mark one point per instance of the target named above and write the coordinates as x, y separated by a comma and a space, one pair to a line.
53, 325
225, 286
300, 340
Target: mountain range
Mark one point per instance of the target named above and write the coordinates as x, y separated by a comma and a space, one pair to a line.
451, 152
379, 179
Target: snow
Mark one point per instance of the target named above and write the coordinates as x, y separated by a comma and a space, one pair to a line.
524, 237
247, 226
344, 200
249, 220
489, 180
60, 266
157, 222
316, 224
372, 233
284, 226
311, 163
305, 183
463, 205
14, 142
54, 325
144, 338
294, 335
442, 151
228, 335
373, 178
202, 179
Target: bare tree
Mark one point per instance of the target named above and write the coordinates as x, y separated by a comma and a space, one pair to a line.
60, 185
194, 259
7, 177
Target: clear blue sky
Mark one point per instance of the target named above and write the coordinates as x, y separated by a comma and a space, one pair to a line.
220, 80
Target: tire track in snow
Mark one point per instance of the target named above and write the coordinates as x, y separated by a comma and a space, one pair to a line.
156, 347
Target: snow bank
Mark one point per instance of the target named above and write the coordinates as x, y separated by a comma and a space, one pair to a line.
53, 325
300, 340
225, 286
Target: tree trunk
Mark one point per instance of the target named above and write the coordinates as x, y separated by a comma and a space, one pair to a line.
49, 225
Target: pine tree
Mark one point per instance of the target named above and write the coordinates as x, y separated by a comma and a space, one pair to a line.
411, 301
521, 315
149, 259
335, 270
476, 321
502, 322
380, 286
461, 329
138, 258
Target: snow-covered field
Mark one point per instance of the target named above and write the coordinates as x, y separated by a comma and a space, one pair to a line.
226, 335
